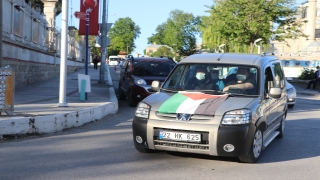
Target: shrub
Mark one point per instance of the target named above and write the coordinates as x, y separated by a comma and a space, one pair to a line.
307, 74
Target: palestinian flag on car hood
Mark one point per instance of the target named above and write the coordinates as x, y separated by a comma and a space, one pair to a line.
192, 103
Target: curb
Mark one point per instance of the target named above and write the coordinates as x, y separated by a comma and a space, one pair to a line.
58, 122
309, 94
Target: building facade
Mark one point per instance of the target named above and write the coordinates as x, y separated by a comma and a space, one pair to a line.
31, 42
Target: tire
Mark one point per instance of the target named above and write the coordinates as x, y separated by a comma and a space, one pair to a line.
141, 149
281, 129
255, 148
290, 105
131, 101
120, 93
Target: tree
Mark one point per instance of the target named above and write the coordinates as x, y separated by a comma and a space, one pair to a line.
238, 23
122, 36
178, 32
39, 3
162, 51
91, 42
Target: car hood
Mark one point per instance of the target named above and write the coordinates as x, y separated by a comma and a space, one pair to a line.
149, 79
158, 100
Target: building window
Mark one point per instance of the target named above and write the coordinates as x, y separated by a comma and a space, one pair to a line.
317, 33
35, 31
17, 21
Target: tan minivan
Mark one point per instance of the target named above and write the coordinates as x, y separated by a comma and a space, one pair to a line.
215, 104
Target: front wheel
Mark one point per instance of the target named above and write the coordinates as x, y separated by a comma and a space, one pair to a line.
282, 127
290, 105
132, 102
255, 149
120, 93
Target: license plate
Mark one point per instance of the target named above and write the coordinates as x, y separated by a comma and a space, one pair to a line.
180, 136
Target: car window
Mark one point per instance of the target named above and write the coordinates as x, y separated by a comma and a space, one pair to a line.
214, 77
127, 66
152, 68
279, 79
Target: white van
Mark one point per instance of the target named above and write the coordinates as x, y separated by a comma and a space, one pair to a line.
113, 60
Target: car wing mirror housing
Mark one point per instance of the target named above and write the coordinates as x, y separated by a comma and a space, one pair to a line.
275, 92
155, 86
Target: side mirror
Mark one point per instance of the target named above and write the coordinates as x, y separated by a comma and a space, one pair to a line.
155, 86
275, 92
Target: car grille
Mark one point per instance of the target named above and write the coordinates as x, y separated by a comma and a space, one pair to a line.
173, 116
203, 145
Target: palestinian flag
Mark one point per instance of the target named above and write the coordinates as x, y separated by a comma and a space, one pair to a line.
192, 103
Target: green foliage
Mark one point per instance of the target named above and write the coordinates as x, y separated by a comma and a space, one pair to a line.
178, 32
122, 35
35, 3
307, 74
162, 51
238, 23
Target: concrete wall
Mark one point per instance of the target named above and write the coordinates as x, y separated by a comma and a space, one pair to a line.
26, 45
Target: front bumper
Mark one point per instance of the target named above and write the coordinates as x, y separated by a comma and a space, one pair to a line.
139, 92
213, 136
291, 100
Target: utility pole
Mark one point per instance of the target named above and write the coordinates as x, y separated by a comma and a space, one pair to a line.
103, 41
1, 15
63, 61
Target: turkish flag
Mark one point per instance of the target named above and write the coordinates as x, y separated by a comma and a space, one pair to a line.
93, 17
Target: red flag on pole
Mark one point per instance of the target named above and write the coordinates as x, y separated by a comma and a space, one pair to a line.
92, 5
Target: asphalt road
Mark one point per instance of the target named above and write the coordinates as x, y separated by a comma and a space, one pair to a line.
104, 150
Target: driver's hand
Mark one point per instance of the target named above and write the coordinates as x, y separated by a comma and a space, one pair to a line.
226, 88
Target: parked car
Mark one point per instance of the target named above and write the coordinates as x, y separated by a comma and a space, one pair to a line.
292, 95
240, 120
137, 74
113, 60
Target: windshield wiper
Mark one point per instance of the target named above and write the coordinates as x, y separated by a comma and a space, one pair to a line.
237, 95
173, 90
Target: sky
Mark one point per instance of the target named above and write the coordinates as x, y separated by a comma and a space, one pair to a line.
147, 14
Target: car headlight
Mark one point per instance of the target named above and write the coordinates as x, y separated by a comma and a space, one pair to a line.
140, 82
241, 116
143, 110
290, 91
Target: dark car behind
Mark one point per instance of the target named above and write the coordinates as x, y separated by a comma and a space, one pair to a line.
137, 74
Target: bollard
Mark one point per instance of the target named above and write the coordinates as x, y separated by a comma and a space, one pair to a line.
83, 90
115, 68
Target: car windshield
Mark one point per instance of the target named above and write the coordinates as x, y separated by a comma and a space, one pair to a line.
218, 78
153, 68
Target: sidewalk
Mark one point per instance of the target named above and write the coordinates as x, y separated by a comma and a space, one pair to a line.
300, 88
36, 106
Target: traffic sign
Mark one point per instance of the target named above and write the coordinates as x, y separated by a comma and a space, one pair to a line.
80, 15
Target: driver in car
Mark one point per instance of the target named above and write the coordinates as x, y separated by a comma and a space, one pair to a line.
243, 82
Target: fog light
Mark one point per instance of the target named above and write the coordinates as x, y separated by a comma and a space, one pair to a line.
228, 147
139, 139
138, 96
291, 99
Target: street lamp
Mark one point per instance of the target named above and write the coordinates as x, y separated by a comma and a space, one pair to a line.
255, 43
221, 47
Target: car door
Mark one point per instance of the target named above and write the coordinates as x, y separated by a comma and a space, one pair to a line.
272, 108
126, 78
279, 80
123, 74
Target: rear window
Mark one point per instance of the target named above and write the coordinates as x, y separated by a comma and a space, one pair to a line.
153, 68
114, 59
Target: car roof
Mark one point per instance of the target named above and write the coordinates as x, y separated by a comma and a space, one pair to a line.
230, 58
151, 59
